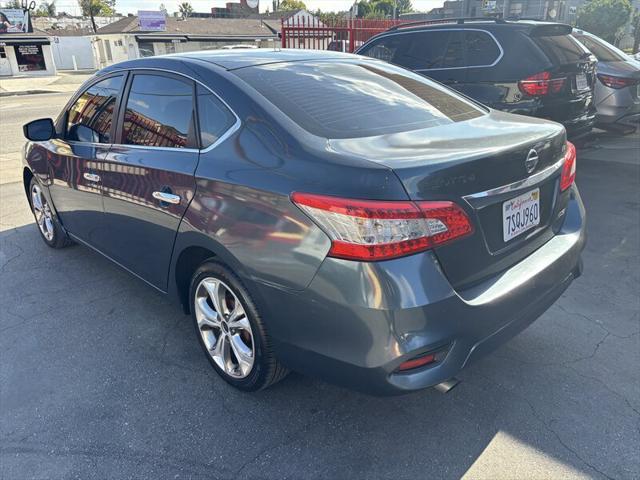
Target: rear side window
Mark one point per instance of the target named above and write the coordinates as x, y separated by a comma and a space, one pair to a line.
159, 112
561, 49
94, 110
343, 100
214, 117
482, 49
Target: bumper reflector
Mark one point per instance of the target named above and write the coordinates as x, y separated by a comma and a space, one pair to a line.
417, 362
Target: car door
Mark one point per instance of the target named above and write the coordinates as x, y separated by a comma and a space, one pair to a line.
148, 177
76, 160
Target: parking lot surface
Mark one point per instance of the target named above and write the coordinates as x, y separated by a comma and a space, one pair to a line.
101, 377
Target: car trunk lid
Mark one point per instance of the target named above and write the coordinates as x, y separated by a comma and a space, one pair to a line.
479, 164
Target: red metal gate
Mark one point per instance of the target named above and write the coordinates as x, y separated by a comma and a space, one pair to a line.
342, 35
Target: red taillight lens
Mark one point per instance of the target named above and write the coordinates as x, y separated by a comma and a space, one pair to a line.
377, 230
569, 167
541, 84
617, 82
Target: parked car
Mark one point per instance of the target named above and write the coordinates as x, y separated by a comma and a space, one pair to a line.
526, 67
315, 211
617, 91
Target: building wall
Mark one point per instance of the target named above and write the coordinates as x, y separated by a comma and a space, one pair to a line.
114, 48
65, 49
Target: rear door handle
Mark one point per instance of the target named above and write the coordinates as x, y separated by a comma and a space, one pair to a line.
167, 197
92, 177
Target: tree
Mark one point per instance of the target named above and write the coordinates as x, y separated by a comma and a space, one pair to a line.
604, 17
46, 9
384, 6
163, 9
404, 6
185, 9
635, 22
292, 5
13, 4
97, 8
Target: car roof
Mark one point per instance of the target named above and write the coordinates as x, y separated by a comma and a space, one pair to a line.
238, 58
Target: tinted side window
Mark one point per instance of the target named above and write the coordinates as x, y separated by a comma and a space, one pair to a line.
159, 112
482, 50
454, 51
94, 109
416, 51
214, 117
424, 50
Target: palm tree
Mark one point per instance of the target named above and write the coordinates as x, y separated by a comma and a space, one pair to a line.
185, 9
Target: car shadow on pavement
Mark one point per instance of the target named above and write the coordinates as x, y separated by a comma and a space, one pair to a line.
103, 377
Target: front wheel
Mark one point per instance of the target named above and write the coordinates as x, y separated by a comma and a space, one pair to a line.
230, 329
50, 229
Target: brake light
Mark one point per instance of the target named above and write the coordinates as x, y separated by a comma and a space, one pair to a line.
372, 230
568, 168
617, 82
541, 84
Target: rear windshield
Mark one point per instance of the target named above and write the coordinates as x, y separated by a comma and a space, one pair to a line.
561, 49
346, 100
602, 51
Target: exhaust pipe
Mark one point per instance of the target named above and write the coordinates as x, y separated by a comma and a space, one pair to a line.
447, 385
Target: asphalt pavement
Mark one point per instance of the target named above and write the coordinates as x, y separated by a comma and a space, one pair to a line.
102, 377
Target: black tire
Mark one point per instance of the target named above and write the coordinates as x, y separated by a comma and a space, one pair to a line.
266, 370
56, 237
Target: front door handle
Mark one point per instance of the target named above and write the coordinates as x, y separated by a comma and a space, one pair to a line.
167, 197
92, 177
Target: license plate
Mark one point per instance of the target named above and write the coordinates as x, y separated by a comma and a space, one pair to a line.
581, 82
520, 214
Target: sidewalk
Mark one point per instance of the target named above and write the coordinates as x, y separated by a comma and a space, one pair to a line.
63, 82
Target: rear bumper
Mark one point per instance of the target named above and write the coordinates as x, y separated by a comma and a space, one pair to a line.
357, 322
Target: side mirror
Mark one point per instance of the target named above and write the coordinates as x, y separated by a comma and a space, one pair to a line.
39, 130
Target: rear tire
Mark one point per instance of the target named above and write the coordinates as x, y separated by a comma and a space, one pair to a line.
47, 222
231, 330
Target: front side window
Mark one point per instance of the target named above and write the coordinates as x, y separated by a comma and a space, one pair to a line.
214, 117
345, 100
159, 112
91, 116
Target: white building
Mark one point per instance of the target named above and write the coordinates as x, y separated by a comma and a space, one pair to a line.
26, 54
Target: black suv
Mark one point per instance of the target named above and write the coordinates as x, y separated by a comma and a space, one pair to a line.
527, 67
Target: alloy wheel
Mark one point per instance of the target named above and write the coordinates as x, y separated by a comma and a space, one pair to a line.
224, 327
42, 212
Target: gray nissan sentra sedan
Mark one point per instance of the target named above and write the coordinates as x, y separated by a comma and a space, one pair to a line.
315, 211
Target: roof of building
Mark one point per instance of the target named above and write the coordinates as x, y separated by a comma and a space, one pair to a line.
197, 26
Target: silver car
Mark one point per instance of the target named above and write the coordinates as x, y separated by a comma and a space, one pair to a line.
617, 90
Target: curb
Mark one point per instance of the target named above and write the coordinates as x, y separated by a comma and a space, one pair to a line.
26, 92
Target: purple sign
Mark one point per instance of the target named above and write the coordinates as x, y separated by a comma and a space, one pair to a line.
151, 20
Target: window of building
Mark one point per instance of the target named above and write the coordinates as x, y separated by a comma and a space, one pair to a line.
159, 112
94, 110
30, 58
214, 117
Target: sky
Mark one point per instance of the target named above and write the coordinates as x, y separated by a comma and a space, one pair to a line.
132, 6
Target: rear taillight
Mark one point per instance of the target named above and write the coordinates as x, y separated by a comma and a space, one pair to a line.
376, 230
617, 82
569, 167
541, 84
